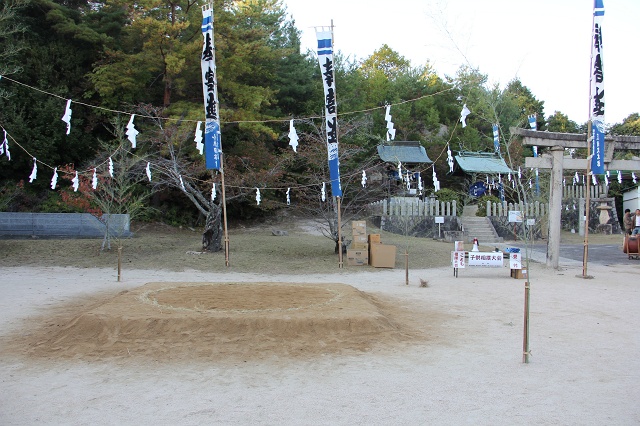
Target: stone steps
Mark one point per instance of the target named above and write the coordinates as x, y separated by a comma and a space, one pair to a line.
480, 228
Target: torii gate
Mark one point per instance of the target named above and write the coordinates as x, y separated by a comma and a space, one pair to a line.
557, 142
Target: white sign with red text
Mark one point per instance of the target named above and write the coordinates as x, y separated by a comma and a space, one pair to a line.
515, 260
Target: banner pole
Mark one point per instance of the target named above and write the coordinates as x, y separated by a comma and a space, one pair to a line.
224, 213
340, 257
585, 252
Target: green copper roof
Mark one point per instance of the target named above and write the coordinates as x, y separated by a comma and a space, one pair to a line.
482, 163
405, 152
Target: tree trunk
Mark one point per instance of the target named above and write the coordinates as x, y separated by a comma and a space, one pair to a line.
212, 235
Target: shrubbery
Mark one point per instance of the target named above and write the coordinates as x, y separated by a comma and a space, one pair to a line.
448, 195
482, 204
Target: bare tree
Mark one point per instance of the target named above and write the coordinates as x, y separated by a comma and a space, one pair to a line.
313, 171
179, 165
120, 186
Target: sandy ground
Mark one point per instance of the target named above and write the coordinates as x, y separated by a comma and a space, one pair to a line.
453, 354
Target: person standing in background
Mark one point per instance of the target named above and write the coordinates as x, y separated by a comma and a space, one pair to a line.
628, 220
636, 230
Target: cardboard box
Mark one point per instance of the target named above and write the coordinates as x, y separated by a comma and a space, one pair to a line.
357, 257
359, 227
382, 256
374, 238
360, 246
362, 239
519, 273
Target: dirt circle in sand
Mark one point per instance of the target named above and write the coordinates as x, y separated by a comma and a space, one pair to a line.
240, 297
218, 321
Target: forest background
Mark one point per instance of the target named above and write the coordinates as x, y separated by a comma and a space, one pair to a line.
115, 58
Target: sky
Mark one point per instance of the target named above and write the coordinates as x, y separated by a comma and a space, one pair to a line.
544, 43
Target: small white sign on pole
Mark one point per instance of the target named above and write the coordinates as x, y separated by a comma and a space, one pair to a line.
515, 216
531, 222
439, 221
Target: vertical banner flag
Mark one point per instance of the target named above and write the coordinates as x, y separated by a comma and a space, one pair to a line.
325, 60
212, 137
534, 126
597, 91
496, 139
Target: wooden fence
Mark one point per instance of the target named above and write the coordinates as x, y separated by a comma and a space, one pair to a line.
411, 206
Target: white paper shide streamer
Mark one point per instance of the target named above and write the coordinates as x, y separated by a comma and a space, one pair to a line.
293, 137
110, 167
198, 138
213, 192
94, 179
324, 191
288, 196
463, 115
132, 132
75, 183
449, 159
436, 182
4, 147
34, 171
148, 170
54, 178
391, 132
258, 198
67, 116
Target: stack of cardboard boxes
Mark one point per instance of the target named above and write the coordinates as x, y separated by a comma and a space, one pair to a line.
368, 250
381, 255
358, 254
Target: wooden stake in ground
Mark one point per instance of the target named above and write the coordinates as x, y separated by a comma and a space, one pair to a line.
119, 263
525, 335
406, 267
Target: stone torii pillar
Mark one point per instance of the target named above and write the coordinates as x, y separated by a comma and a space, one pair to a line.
557, 163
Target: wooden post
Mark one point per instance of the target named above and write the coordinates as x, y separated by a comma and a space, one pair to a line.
119, 263
340, 260
585, 251
224, 213
406, 267
525, 335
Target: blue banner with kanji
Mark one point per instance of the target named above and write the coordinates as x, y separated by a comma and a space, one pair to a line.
597, 91
212, 137
325, 59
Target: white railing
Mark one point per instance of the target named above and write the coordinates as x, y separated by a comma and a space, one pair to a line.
535, 209
580, 191
411, 206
